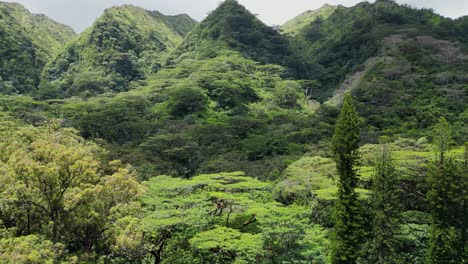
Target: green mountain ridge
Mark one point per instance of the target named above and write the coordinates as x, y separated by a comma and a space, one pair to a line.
28, 42
123, 45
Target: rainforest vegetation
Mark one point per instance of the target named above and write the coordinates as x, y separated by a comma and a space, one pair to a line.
339, 137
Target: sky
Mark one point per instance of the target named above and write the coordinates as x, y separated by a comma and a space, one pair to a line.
80, 14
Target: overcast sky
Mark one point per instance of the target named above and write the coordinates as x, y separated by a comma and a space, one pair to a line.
80, 14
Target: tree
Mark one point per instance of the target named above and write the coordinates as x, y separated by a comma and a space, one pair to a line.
55, 184
286, 95
177, 209
50, 174
386, 206
186, 100
214, 218
348, 220
118, 120
448, 196
29, 249
178, 149
442, 138
86, 82
224, 245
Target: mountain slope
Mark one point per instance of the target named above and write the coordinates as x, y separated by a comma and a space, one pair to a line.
414, 81
232, 26
295, 25
404, 66
350, 36
27, 43
123, 45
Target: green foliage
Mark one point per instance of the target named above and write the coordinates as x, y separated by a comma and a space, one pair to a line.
234, 27
187, 100
198, 116
27, 43
447, 196
386, 206
227, 213
306, 175
29, 249
444, 245
447, 182
123, 45
287, 95
222, 245
119, 120
414, 237
176, 148
348, 229
339, 43
54, 184
442, 138
214, 104
25, 108
430, 77
87, 84
295, 25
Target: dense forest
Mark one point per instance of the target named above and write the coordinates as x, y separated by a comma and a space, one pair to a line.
338, 137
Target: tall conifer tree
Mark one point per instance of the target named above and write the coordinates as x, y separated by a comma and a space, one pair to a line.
348, 220
386, 207
448, 199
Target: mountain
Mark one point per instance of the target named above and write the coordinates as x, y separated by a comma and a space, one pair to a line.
220, 101
27, 43
232, 26
148, 144
404, 66
338, 45
294, 26
123, 45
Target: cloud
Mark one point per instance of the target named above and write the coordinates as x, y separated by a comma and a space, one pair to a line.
80, 14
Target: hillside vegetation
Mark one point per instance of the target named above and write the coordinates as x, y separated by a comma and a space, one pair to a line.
125, 44
340, 44
27, 43
232, 26
337, 138
404, 66
295, 25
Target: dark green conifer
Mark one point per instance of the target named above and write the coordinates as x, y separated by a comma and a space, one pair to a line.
348, 220
386, 206
447, 197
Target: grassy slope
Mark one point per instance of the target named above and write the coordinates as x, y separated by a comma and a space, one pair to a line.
318, 173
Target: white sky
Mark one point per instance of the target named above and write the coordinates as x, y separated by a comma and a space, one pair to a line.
80, 14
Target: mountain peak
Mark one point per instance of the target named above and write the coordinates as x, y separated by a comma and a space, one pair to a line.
293, 26
13, 5
230, 3
125, 6
232, 26
123, 45
326, 6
